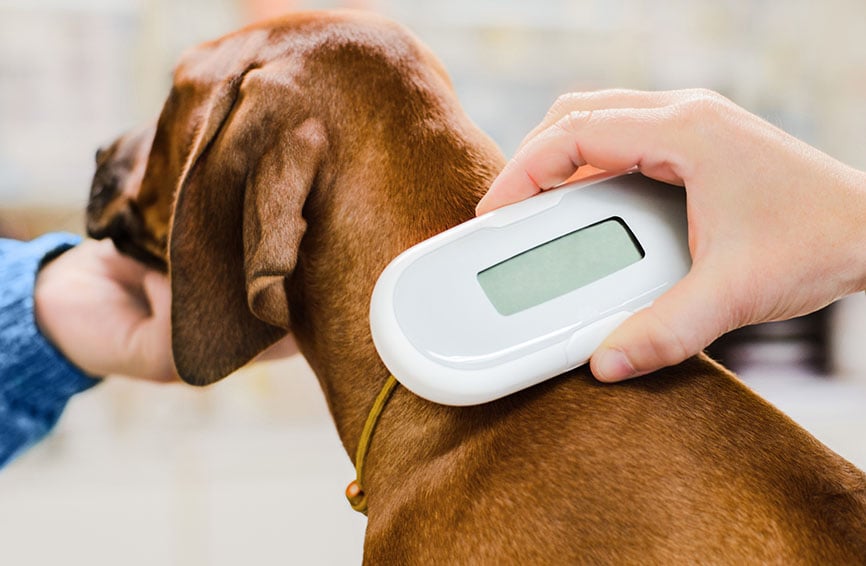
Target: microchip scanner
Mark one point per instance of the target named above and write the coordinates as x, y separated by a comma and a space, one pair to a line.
526, 292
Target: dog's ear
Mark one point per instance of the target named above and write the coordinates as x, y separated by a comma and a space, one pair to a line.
238, 223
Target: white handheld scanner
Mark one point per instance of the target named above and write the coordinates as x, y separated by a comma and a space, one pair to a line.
528, 291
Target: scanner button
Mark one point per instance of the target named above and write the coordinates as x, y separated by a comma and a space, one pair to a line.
583, 343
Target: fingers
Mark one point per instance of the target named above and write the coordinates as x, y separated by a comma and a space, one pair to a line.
667, 136
612, 130
157, 289
703, 141
146, 351
610, 139
677, 326
157, 330
606, 99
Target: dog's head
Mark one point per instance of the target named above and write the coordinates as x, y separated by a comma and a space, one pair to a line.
257, 125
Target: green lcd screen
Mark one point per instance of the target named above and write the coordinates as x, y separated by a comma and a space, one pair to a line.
560, 266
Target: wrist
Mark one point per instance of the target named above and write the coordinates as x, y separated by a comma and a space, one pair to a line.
42, 301
51, 293
35, 373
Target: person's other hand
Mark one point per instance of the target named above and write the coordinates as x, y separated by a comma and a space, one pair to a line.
107, 313
777, 229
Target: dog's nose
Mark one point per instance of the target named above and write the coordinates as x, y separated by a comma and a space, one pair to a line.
100, 153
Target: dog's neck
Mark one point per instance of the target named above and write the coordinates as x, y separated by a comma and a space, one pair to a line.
371, 217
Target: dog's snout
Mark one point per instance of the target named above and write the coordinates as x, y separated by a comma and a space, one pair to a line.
103, 186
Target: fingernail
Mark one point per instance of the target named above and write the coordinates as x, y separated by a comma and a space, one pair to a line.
613, 365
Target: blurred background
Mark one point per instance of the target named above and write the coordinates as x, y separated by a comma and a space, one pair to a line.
251, 470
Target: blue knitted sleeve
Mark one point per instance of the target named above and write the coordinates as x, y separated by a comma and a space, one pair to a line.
36, 380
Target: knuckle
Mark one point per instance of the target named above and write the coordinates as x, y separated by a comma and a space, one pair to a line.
565, 99
564, 104
701, 113
620, 93
703, 104
701, 93
666, 346
705, 95
573, 121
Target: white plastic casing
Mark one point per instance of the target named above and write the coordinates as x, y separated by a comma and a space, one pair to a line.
442, 338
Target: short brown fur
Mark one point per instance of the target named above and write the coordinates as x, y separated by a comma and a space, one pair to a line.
301, 156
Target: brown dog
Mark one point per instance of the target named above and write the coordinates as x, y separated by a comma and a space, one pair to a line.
301, 156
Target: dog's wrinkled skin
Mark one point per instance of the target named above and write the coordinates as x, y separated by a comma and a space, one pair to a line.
302, 155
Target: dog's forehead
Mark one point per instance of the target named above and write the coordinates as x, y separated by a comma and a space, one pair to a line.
234, 52
215, 60
291, 35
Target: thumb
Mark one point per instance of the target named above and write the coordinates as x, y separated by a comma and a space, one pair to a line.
157, 289
155, 331
679, 324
